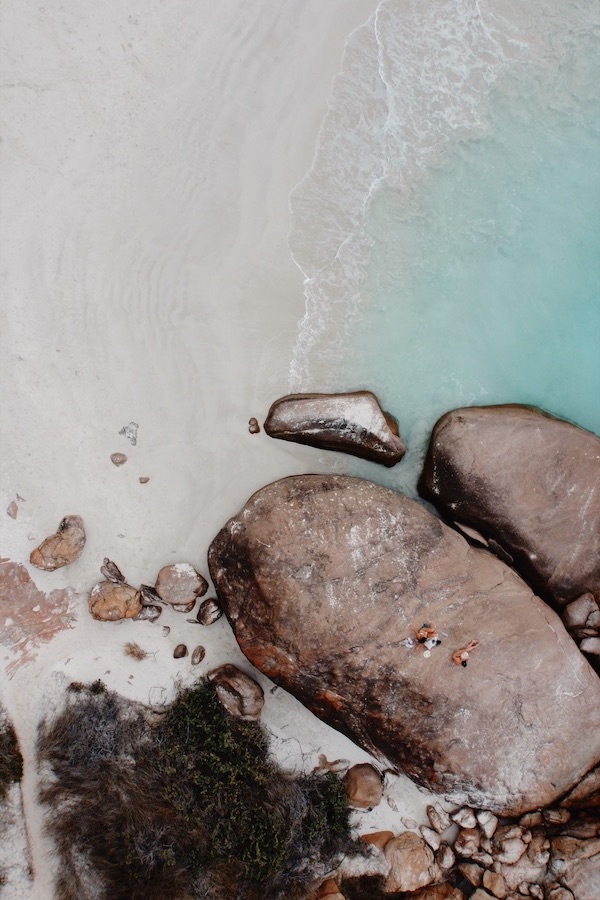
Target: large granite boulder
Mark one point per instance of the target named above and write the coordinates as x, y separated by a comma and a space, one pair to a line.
530, 485
351, 423
325, 578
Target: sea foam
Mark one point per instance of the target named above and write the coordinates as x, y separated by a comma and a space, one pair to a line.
437, 204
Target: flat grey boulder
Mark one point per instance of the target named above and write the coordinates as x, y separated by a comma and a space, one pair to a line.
530, 485
351, 423
324, 579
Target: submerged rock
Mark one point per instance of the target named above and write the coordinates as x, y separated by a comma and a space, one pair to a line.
62, 548
530, 484
324, 577
350, 423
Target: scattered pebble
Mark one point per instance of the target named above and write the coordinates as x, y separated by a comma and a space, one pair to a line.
62, 548
166, 631
209, 611
198, 655
180, 651
130, 432
253, 426
118, 459
12, 509
111, 571
143, 479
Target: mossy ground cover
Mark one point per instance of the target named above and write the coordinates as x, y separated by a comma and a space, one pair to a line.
11, 762
183, 803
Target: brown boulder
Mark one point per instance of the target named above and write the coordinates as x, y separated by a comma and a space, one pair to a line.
363, 786
179, 584
62, 548
240, 695
323, 579
530, 484
350, 423
110, 602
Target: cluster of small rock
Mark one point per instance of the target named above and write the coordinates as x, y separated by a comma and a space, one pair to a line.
545, 854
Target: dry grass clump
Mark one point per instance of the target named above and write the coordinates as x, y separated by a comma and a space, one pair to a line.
134, 650
185, 803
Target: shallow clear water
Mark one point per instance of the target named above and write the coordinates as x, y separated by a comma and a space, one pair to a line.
480, 278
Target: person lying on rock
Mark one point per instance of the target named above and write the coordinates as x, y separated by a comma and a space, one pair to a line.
428, 636
460, 657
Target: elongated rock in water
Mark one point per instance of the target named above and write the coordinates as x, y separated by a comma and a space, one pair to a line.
324, 577
350, 423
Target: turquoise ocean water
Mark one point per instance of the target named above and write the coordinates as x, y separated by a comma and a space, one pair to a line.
469, 273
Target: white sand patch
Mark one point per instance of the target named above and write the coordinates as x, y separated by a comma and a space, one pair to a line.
148, 155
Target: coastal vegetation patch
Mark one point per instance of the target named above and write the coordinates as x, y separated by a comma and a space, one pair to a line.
181, 802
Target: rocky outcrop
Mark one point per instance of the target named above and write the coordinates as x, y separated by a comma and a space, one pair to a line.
530, 485
61, 548
350, 423
325, 580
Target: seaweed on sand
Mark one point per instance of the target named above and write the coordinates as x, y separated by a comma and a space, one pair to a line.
182, 803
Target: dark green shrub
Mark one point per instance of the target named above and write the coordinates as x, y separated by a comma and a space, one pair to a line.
11, 762
185, 803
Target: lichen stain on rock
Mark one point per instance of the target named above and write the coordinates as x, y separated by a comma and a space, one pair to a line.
28, 616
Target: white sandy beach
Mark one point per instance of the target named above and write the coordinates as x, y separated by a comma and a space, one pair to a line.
147, 161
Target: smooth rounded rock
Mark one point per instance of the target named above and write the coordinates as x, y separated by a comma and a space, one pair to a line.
530, 483
324, 577
180, 584
110, 602
240, 695
364, 786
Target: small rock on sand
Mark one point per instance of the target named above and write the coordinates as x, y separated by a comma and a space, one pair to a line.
118, 459
253, 426
62, 548
143, 479
180, 651
12, 510
110, 602
180, 584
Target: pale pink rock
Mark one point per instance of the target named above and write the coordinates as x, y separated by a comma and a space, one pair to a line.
431, 837
62, 548
412, 864
576, 863
445, 857
240, 695
467, 842
487, 821
12, 509
110, 602
495, 884
438, 818
364, 787
180, 585
118, 459
465, 817
472, 872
